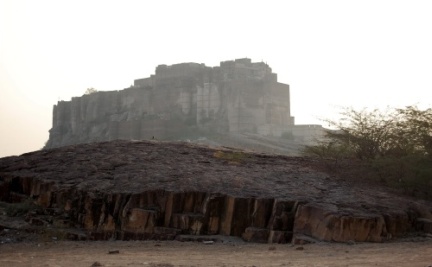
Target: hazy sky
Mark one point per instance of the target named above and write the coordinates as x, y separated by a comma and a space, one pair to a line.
332, 53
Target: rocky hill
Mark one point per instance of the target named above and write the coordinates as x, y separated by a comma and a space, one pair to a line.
160, 190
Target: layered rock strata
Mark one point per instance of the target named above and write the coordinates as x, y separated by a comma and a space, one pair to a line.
149, 190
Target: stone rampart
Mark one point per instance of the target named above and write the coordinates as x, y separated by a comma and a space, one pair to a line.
178, 102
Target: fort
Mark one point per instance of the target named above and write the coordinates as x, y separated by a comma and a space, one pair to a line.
185, 101
138, 189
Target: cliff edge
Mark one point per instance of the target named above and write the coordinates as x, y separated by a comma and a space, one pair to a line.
160, 190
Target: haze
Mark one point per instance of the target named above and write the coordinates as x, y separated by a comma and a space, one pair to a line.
332, 53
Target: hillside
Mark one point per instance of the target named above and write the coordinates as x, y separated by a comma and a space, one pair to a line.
149, 189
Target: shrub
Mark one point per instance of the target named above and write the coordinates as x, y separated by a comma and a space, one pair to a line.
395, 145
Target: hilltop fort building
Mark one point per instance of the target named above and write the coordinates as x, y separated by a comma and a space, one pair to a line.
184, 100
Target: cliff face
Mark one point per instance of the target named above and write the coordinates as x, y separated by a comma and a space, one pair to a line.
160, 190
179, 101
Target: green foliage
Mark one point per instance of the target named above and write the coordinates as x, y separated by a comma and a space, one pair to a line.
90, 91
396, 144
374, 134
413, 131
364, 132
329, 150
412, 173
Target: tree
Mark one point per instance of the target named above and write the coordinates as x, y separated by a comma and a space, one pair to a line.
90, 91
364, 133
374, 134
328, 150
414, 130
396, 145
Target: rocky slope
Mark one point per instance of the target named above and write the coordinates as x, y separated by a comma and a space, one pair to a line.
156, 190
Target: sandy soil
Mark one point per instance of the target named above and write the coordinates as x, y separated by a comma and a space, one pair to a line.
174, 253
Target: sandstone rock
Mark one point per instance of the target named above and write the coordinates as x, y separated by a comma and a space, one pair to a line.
4, 190
258, 235
280, 237
196, 238
397, 223
140, 221
190, 223
227, 216
282, 217
299, 239
76, 235
165, 233
14, 197
424, 225
13, 223
37, 222
143, 197
327, 223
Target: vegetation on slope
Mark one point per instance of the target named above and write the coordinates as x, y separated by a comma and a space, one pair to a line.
394, 147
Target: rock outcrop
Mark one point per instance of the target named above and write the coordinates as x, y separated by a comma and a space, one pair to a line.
151, 190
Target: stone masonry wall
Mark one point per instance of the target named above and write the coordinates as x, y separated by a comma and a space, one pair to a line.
179, 101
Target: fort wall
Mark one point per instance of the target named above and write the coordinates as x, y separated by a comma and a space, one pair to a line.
180, 100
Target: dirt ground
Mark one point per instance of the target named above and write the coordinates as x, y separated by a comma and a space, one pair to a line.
174, 253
